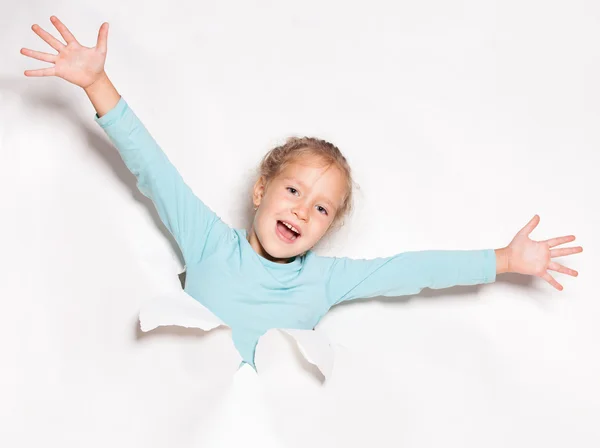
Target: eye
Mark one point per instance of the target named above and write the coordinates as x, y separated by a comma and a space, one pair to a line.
295, 191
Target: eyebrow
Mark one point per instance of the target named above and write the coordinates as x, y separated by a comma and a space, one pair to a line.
303, 185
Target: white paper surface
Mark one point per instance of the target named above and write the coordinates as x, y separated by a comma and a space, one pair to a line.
241, 418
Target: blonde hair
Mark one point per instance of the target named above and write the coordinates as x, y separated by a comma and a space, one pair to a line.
276, 159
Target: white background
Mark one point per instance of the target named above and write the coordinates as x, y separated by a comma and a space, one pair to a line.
461, 120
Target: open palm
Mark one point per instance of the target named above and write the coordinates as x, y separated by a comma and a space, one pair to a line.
530, 257
75, 63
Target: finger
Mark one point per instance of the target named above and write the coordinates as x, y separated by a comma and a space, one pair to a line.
102, 37
40, 72
565, 251
560, 268
530, 226
48, 38
63, 30
46, 57
560, 240
551, 280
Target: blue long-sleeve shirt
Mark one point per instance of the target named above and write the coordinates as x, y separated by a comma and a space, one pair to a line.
252, 294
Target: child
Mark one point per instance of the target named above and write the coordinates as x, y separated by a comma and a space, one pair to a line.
268, 277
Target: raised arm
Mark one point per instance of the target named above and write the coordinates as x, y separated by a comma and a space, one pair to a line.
195, 227
188, 219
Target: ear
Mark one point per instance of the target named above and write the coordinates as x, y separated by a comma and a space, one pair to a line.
259, 191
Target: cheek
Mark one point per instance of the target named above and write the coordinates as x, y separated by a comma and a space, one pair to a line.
264, 218
319, 225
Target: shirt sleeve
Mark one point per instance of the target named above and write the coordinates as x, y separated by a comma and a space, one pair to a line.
188, 219
408, 273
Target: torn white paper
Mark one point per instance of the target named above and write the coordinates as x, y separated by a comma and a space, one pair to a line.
177, 308
273, 356
315, 348
180, 309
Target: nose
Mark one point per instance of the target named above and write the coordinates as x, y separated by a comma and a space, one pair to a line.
301, 212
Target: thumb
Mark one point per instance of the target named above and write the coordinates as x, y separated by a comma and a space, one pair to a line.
102, 37
530, 226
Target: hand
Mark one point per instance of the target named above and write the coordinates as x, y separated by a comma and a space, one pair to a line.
530, 257
75, 63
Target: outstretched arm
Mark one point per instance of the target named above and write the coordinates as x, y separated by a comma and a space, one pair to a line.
408, 273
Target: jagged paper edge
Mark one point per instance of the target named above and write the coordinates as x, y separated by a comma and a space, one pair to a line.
180, 309
177, 308
315, 348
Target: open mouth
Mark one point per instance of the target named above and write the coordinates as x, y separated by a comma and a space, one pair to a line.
286, 233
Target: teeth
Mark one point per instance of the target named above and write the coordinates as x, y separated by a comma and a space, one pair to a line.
289, 226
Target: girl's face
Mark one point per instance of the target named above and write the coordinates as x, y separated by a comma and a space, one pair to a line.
304, 195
